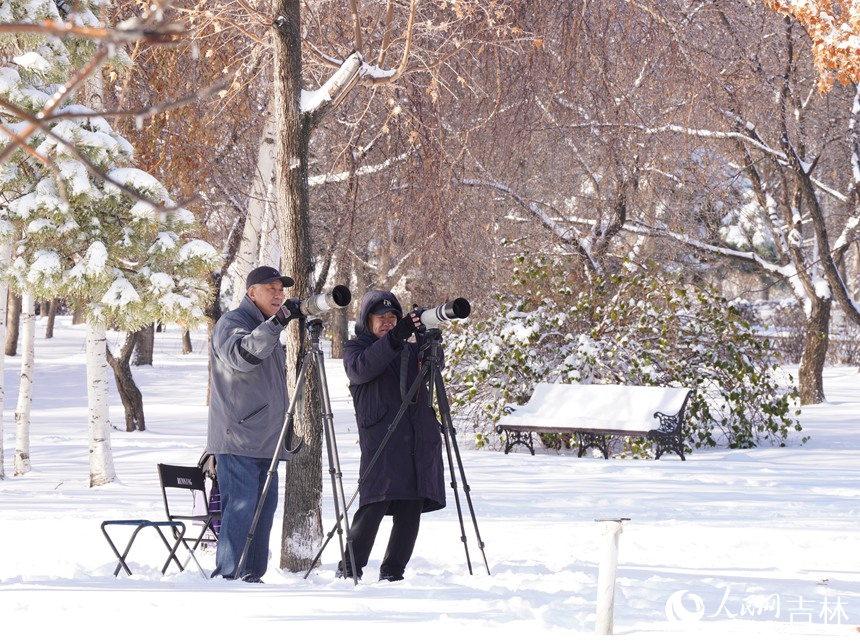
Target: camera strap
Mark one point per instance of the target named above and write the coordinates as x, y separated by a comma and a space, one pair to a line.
404, 375
404, 367
302, 336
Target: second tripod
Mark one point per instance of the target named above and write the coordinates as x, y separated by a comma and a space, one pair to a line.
430, 377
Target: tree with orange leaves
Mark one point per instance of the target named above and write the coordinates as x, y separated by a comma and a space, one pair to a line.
835, 33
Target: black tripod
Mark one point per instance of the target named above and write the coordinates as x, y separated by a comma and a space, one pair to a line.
313, 357
431, 374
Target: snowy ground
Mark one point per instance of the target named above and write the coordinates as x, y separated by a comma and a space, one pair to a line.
762, 542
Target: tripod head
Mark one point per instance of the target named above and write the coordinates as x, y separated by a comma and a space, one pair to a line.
429, 342
432, 335
314, 326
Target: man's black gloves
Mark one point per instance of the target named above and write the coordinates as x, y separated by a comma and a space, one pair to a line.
404, 328
289, 310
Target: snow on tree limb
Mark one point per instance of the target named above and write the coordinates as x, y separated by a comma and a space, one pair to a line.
130, 31
322, 179
354, 69
335, 88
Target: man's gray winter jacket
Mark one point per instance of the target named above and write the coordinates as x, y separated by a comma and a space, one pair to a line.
248, 397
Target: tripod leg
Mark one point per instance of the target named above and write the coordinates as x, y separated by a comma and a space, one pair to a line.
330, 534
451, 445
445, 435
400, 412
334, 470
285, 431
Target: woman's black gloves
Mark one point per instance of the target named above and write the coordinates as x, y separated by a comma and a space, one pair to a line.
404, 328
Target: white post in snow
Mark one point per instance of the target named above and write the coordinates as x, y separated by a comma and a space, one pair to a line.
606, 576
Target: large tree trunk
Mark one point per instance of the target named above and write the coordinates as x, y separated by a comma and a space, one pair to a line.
52, 318
13, 319
302, 527
101, 457
144, 345
129, 393
25, 388
811, 371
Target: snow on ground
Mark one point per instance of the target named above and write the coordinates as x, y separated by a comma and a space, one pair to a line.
729, 544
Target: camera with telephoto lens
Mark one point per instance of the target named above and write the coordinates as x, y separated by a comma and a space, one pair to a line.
458, 309
337, 298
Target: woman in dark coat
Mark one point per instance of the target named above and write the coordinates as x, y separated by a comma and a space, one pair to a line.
407, 477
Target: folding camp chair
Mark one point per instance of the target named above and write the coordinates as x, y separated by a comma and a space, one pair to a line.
177, 527
179, 485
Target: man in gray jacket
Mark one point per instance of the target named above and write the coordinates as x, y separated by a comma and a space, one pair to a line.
247, 407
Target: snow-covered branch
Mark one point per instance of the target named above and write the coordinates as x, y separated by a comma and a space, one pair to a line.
53, 104
68, 147
318, 103
747, 134
338, 177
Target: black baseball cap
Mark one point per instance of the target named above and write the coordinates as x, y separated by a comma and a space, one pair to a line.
384, 306
267, 275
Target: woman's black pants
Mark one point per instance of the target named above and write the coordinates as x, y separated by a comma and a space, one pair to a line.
406, 517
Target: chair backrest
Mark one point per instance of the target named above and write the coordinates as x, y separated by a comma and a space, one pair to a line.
182, 477
186, 499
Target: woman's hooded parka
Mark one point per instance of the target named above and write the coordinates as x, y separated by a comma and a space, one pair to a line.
410, 463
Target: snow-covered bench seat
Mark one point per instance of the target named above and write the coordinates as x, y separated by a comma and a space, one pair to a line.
596, 413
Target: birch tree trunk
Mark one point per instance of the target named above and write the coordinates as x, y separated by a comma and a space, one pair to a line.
302, 527
5, 252
101, 458
25, 387
260, 244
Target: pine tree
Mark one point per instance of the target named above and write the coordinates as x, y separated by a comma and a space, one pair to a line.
86, 225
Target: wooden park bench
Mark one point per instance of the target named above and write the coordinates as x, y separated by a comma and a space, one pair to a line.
595, 414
